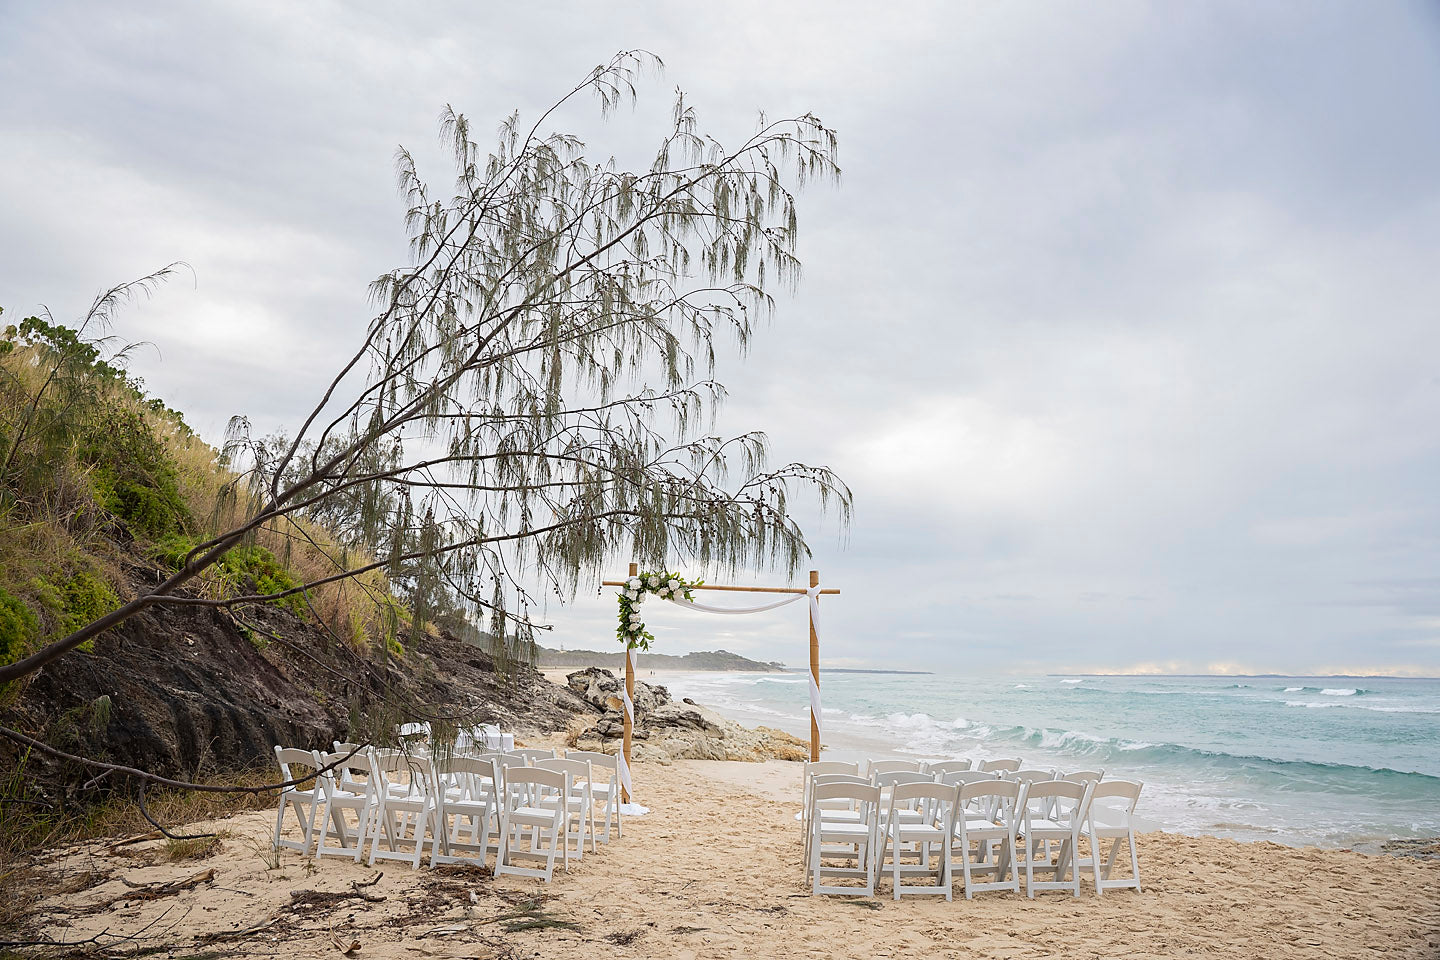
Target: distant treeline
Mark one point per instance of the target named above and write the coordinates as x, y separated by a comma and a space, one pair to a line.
705, 660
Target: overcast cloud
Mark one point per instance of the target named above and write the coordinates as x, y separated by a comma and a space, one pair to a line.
1121, 325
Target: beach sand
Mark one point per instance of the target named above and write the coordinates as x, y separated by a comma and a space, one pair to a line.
714, 871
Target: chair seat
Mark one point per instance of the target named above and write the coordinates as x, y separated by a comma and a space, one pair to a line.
908, 832
534, 816
839, 816
830, 828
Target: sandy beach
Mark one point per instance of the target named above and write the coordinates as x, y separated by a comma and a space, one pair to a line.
714, 871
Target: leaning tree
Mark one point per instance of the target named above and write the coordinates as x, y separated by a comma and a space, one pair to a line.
536, 392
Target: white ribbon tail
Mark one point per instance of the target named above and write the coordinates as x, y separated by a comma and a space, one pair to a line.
622, 763
814, 594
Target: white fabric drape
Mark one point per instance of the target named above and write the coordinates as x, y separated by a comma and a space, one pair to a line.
812, 594
624, 765
709, 609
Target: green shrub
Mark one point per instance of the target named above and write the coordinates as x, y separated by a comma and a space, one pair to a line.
73, 600
18, 627
132, 473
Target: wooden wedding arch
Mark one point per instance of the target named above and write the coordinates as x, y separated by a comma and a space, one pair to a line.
814, 654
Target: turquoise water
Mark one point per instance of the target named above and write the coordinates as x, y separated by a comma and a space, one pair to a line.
1298, 760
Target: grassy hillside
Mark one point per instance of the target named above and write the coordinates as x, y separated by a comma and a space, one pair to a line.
103, 487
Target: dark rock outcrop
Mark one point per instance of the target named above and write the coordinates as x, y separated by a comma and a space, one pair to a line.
666, 730
185, 692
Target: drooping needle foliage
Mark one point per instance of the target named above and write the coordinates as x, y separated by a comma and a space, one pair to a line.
535, 394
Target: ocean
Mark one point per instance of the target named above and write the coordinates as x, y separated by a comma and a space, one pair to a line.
1327, 761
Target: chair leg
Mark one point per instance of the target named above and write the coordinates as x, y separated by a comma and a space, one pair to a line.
279, 824
895, 858
812, 861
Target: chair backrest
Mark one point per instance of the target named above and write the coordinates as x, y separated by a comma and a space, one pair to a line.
473, 766
890, 766
345, 763
531, 754
942, 767
1059, 800
894, 777
994, 799
927, 790
577, 769
1029, 776
342, 747
419, 770
285, 756
1084, 776
967, 776
505, 762
858, 792
1002, 764
595, 758
520, 782
820, 768
826, 778
1125, 790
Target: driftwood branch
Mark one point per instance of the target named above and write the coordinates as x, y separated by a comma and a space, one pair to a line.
144, 777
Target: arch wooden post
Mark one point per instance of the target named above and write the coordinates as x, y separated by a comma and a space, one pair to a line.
630, 689
815, 673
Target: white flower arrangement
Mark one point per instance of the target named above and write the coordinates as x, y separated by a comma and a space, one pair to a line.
631, 631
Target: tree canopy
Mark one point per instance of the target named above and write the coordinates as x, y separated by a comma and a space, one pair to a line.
537, 390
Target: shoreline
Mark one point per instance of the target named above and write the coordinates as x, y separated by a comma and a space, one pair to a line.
859, 748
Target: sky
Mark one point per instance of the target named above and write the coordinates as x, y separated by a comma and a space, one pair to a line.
1120, 325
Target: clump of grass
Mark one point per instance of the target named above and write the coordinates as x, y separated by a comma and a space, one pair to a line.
531, 915
193, 848
29, 827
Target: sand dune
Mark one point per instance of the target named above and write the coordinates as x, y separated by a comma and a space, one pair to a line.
714, 872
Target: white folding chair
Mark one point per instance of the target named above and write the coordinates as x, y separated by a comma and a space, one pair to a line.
465, 813
403, 811
605, 789
936, 802
304, 800
1105, 821
976, 834
578, 800
544, 824
852, 841
343, 792
1052, 810
839, 809
1083, 776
